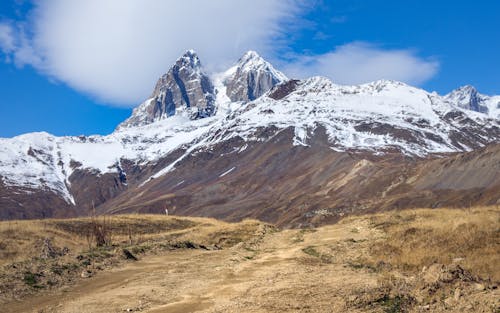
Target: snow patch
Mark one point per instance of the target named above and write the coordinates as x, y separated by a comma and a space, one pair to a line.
227, 172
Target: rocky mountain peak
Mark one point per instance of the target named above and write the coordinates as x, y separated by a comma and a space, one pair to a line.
251, 77
251, 60
250, 54
184, 87
467, 97
188, 65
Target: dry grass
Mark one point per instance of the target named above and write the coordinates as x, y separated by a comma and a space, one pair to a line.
370, 263
46, 254
418, 238
20, 240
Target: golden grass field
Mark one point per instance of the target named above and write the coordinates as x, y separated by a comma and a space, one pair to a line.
423, 260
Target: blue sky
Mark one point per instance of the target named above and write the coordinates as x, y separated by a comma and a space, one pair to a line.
61, 74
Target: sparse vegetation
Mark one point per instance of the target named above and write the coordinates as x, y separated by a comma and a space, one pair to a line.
311, 251
300, 235
397, 304
414, 239
30, 279
439, 260
96, 243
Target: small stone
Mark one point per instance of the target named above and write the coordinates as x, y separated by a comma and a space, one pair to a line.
86, 274
479, 287
128, 255
457, 294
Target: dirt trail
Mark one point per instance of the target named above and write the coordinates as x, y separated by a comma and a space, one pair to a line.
317, 270
273, 274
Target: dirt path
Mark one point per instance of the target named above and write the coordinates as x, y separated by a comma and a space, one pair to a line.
272, 275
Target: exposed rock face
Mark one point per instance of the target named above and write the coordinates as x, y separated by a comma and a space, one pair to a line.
251, 78
467, 98
283, 90
185, 85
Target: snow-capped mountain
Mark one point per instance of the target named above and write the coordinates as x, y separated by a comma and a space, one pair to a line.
191, 114
467, 97
184, 87
251, 78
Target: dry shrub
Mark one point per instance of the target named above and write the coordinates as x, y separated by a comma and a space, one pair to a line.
99, 232
420, 238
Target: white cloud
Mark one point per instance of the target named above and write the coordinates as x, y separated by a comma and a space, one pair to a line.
6, 38
115, 50
360, 62
17, 46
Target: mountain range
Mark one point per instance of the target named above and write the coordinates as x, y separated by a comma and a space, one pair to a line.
252, 143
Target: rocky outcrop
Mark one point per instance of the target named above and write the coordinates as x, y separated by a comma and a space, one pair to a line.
251, 78
468, 98
185, 86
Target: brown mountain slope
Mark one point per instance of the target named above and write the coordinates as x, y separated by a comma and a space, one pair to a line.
295, 185
274, 181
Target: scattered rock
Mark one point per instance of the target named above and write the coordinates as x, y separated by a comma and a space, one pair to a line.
457, 294
440, 273
86, 274
479, 287
128, 255
65, 250
48, 250
188, 245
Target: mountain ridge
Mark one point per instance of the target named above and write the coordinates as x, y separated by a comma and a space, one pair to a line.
379, 118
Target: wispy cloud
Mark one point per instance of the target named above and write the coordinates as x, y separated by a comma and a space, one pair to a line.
17, 46
360, 62
6, 38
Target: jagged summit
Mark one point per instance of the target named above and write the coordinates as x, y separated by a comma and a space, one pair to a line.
184, 87
251, 60
187, 88
468, 98
189, 62
251, 77
250, 54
